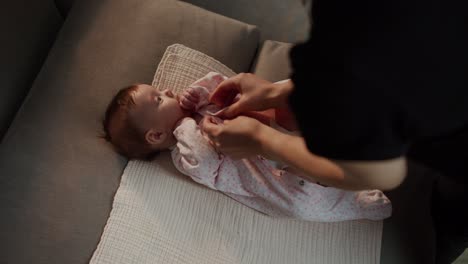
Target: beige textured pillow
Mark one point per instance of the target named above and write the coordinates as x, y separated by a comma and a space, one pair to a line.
180, 66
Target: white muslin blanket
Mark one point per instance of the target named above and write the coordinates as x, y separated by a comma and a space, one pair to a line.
161, 216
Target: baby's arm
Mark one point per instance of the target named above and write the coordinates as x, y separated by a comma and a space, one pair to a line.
195, 157
197, 94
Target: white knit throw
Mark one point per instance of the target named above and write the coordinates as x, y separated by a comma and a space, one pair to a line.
161, 216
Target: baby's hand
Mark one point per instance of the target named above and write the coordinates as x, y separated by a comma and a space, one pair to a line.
189, 99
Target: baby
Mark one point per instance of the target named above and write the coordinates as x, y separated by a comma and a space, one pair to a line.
142, 120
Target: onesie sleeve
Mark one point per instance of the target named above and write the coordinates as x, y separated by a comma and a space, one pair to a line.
193, 155
205, 86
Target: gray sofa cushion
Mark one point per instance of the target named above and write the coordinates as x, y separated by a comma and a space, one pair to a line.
28, 31
57, 177
280, 20
272, 62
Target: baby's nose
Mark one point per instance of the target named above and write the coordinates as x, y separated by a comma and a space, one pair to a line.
168, 93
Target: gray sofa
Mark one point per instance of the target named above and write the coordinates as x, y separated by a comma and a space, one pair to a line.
62, 63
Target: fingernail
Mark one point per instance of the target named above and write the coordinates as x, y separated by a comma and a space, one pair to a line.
213, 120
213, 114
220, 112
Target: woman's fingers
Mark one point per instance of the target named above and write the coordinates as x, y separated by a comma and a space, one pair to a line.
231, 111
245, 92
210, 128
226, 91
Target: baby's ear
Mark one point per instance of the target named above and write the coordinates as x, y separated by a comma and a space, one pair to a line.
153, 137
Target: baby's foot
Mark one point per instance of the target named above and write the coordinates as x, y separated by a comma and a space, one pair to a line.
374, 204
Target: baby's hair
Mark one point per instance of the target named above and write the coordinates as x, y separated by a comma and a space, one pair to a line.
127, 139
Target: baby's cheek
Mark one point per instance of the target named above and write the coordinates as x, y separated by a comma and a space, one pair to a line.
174, 106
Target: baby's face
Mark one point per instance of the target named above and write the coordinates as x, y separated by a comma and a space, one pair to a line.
155, 109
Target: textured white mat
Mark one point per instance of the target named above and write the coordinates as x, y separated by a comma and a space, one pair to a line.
161, 216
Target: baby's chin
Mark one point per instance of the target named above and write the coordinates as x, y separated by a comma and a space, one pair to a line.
185, 113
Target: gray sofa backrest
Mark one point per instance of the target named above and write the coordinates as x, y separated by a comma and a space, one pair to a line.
28, 31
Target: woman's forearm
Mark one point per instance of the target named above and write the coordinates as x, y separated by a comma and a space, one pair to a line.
293, 151
280, 93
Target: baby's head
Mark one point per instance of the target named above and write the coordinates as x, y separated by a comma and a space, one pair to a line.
140, 119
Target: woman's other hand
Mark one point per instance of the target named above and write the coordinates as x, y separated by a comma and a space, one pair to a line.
238, 138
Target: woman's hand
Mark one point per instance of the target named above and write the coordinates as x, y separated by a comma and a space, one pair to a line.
255, 93
238, 138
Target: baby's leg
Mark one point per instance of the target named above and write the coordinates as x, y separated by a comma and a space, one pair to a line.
299, 173
340, 205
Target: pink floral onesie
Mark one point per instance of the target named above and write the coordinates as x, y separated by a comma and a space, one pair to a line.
259, 183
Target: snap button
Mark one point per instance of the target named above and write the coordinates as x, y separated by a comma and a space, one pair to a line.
301, 182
